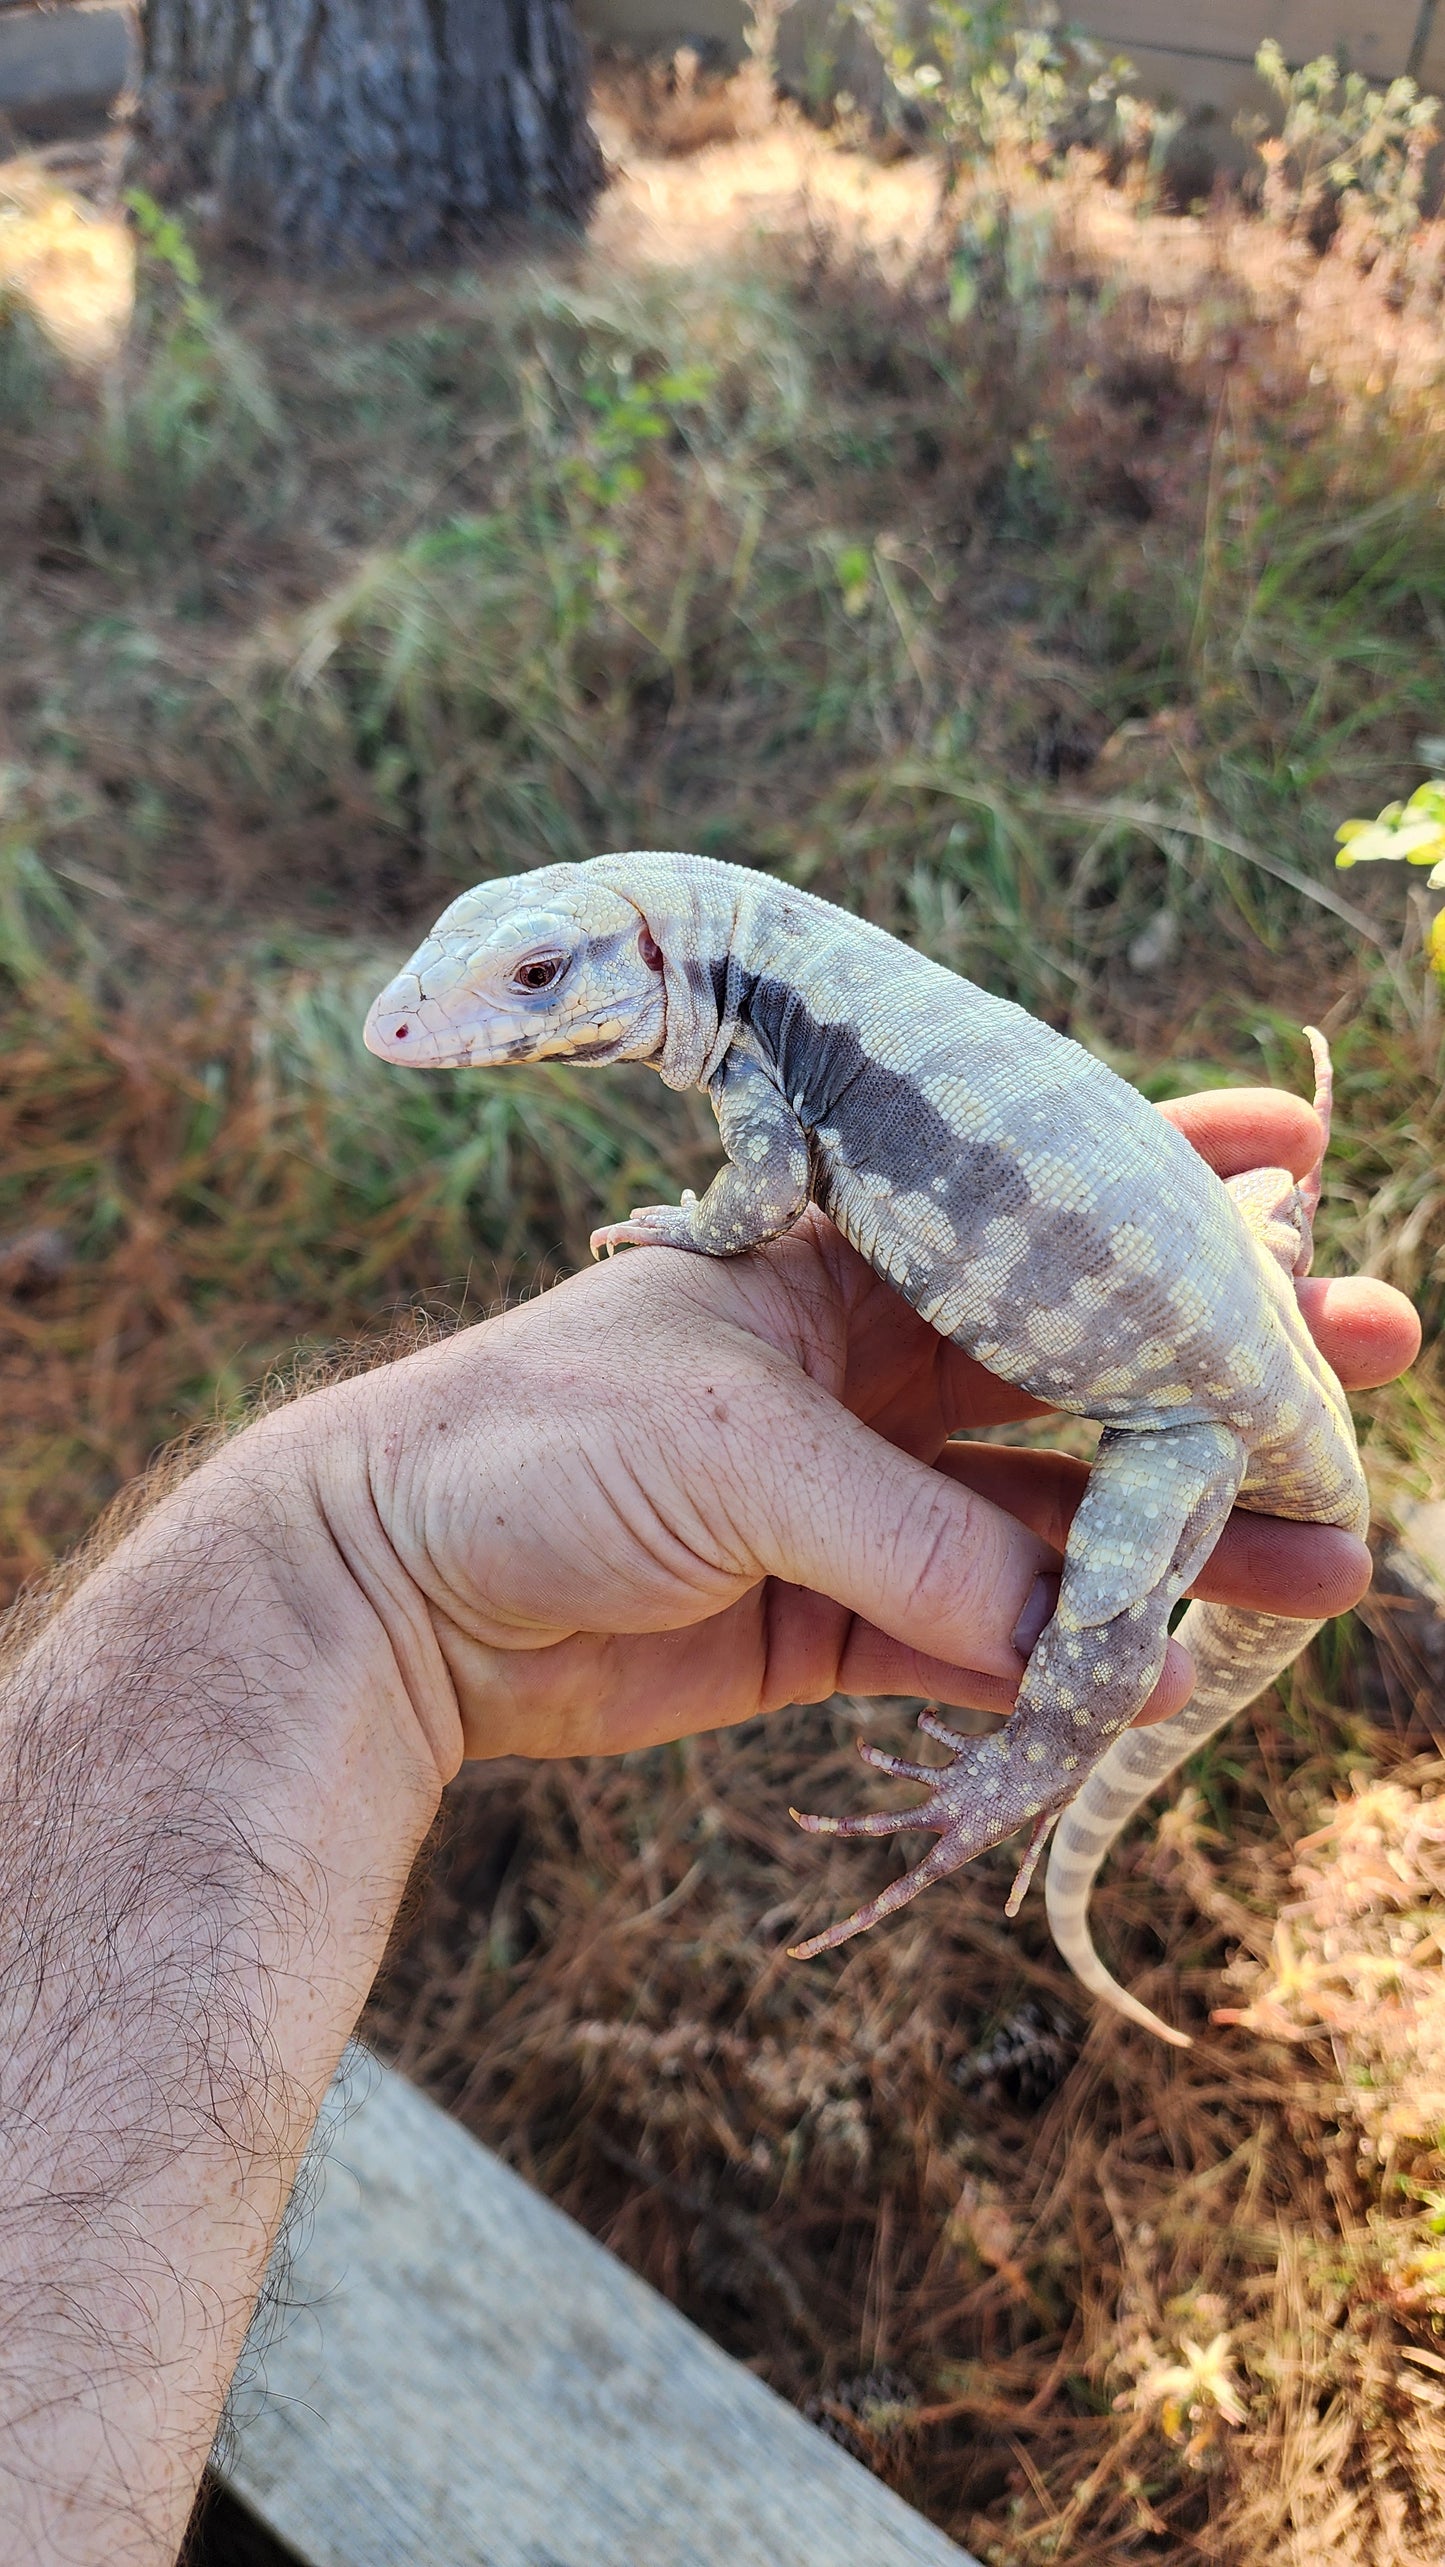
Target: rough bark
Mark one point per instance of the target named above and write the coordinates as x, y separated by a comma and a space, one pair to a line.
366, 132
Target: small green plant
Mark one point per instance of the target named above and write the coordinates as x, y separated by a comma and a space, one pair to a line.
624, 416
165, 238
186, 413
516, 633
1340, 140
219, 363
1048, 89
27, 367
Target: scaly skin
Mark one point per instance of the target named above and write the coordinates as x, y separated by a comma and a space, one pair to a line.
1030, 1206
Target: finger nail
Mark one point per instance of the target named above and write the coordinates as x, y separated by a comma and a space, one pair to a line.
1041, 1606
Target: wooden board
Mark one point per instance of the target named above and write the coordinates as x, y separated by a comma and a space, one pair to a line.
464, 2378
1375, 39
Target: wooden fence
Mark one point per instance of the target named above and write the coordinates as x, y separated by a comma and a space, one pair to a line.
1200, 58
60, 64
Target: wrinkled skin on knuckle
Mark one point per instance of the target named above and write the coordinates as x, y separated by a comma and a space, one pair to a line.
805, 1639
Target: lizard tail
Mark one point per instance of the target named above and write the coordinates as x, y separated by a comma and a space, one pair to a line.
1235, 1656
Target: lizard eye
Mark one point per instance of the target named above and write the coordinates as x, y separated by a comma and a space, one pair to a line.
540, 971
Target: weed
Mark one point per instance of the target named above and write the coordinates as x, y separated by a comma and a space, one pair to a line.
1342, 141
27, 368
187, 422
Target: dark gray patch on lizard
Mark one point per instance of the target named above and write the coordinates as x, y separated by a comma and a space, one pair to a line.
705, 980
891, 1130
886, 1127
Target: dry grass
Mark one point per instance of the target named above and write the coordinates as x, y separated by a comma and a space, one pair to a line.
1075, 2296
69, 265
1048, 638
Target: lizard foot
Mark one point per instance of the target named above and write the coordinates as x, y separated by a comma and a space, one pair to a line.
652, 1225
957, 1807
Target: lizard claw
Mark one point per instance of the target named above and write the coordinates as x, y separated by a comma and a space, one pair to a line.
1310, 1186
897, 1766
932, 1727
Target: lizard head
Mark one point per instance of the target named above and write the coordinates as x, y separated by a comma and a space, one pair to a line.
553, 965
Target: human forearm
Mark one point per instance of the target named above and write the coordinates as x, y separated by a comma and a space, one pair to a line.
211, 1790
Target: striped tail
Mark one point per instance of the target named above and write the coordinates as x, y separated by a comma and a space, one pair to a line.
1235, 1656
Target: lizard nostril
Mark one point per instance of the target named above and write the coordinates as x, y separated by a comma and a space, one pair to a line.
401, 1033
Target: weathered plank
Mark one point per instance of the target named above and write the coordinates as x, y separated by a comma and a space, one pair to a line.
1206, 62
67, 63
465, 2378
1375, 40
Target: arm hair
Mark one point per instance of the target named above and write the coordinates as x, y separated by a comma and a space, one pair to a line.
187, 1931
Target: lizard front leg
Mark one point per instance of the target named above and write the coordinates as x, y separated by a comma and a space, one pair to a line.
760, 1192
1154, 1506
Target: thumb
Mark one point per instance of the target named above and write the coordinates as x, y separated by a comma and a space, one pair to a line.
942, 1584
822, 1502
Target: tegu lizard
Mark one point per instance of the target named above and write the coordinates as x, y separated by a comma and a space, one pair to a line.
1031, 1206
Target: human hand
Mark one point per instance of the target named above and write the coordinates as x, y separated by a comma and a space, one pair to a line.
676, 1492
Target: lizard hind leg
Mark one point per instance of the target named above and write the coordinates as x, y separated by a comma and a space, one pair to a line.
1154, 1505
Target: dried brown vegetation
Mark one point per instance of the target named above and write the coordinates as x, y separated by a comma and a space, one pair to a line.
1058, 637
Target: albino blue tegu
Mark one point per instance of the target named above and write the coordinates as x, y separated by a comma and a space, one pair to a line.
1031, 1206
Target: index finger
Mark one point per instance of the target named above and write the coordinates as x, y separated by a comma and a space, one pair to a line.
1239, 1128
1263, 1563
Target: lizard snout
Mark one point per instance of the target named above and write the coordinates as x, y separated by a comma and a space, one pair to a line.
429, 1016
393, 1028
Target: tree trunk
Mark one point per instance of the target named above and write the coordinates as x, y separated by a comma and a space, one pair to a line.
373, 133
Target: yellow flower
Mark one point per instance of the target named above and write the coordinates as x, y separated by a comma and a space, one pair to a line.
1411, 833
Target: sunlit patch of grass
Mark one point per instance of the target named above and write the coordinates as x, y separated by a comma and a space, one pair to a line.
71, 268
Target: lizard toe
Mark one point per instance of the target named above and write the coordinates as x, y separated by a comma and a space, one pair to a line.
651, 1225
897, 1766
946, 1857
